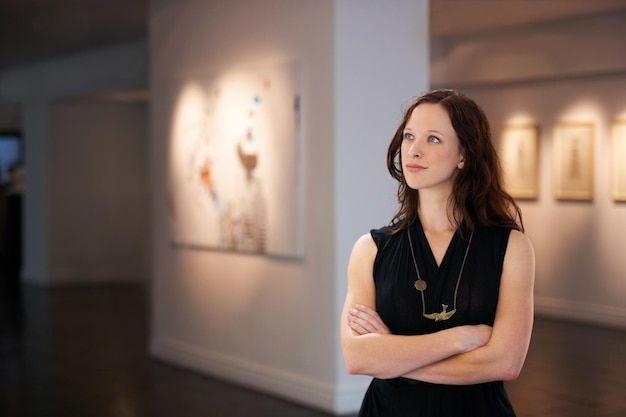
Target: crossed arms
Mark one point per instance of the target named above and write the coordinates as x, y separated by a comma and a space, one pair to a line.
459, 355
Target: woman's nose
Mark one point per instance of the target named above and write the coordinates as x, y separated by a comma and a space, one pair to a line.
414, 150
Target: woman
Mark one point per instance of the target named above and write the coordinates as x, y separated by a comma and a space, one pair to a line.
439, 307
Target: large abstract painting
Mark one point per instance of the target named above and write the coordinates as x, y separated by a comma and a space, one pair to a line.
234, 161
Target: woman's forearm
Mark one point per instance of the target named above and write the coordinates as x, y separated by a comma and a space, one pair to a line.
480, 365
389, 356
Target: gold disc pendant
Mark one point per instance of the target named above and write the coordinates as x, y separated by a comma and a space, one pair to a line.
420, 285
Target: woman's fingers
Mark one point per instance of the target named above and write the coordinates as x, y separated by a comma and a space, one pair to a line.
365, 320
360, 322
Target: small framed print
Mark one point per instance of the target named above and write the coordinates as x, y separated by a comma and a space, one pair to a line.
519, 154
573, 160
618, 162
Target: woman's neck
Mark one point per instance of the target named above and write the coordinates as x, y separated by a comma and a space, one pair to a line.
435, 213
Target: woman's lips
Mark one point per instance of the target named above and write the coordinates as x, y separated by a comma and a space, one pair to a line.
414, 167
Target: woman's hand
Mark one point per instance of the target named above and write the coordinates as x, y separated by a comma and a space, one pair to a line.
364, 320
475, 336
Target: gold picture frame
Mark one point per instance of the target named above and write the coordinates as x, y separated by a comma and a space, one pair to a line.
519, 155
573, 160
618, 160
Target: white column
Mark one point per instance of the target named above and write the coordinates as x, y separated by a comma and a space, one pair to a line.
381, 62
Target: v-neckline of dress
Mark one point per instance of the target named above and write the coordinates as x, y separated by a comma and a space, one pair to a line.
423, 240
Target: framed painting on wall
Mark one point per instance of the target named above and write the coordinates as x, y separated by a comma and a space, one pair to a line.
519, 154
234, 161
618, 163
573, 160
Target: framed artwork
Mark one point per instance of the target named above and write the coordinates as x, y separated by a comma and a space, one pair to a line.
519, 154
234, 161
573, 160
618, 163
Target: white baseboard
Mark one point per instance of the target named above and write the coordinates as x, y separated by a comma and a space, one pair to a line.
589, 313
315, 394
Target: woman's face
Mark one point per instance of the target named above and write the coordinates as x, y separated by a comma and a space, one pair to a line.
430, 149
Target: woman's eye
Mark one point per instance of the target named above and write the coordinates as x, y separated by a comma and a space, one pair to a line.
408, 136
433, 139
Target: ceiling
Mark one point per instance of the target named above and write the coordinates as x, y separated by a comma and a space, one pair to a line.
463, 17
34, 30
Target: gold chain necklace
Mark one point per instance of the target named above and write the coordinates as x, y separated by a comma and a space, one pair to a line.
420, 284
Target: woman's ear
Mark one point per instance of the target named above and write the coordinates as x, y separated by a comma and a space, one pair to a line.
461, 162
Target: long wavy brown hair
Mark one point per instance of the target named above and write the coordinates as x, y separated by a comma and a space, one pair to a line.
478, 196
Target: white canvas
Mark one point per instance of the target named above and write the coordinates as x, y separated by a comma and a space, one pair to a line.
234, 164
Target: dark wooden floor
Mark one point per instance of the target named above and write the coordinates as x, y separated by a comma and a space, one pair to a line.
82, 352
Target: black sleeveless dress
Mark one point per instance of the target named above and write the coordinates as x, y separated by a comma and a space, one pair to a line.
400, 306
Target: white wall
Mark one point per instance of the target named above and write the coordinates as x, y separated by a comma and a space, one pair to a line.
33, 88
98, 191
264, 322
573, 71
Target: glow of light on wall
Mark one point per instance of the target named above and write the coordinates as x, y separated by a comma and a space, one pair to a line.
584, 110
520, 117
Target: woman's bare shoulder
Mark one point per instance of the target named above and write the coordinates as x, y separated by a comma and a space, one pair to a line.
365, 242
520, 244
